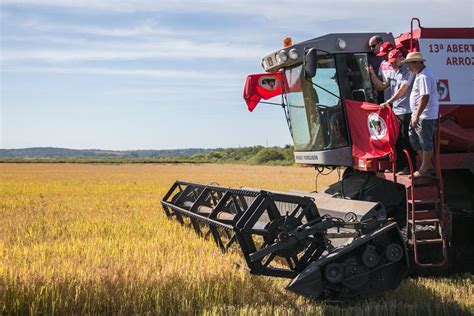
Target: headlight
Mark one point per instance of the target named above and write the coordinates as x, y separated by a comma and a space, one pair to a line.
341, 44
294, 54
278, 58
283, 55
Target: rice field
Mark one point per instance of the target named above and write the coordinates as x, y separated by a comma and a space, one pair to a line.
92, 239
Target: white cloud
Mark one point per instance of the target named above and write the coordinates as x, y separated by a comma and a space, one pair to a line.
38, 25
284, 12
36, 29
148, 40
136, 42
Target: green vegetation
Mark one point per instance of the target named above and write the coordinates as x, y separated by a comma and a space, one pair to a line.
256, 155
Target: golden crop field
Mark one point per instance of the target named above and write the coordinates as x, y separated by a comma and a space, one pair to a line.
92, 239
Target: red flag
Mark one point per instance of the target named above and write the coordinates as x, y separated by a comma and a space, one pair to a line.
373, 130
261, 86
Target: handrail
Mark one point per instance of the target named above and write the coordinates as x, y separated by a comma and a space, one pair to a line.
411, 31
412, 198
440, 192
444, 215
437, 159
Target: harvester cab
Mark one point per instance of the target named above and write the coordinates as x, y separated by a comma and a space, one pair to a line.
344, 242
325, 88
317, 76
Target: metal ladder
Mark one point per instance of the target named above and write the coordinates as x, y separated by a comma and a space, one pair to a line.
427, 216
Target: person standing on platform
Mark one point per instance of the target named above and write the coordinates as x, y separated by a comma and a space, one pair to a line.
424, 103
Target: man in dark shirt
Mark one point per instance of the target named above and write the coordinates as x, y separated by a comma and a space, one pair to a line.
374, 45
374, 61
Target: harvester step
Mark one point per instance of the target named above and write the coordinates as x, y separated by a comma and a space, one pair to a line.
423, 194
424, 214
425, 221
406, 180
424, 201
429, 241
427, 234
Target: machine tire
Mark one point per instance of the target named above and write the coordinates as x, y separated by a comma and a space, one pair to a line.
334, 273
355, 274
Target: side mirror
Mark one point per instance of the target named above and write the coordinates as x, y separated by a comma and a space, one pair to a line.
310, 63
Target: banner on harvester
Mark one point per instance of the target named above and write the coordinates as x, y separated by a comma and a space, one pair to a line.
261, 86
374, 130
452, 62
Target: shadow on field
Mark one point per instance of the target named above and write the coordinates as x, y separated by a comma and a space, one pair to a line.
411, 298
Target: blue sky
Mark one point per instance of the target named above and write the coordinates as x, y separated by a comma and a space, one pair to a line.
152, 74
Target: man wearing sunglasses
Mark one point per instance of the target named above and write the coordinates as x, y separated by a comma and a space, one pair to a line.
374, 45
374, 61
384, 72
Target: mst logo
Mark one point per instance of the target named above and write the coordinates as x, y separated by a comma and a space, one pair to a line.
268, 83
443, 90
377, 126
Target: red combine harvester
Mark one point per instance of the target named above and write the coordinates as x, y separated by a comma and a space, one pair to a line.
362, 235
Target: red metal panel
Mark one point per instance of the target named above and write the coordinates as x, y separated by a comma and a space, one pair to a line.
457, 161
425, 32
464, 32
462, 114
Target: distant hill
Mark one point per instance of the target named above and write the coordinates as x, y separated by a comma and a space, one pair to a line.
52, 152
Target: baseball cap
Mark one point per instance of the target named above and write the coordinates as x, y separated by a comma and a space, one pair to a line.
393, 55
385, 48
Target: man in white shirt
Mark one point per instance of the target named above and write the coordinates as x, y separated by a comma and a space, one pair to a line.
424, 103
399, 82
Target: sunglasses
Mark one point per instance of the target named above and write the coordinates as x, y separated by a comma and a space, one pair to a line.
373, 46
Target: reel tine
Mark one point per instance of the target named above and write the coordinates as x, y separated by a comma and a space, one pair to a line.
255, 217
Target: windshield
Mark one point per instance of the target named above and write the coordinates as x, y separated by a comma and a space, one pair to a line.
315, 114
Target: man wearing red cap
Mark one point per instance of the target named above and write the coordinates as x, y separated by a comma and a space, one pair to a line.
401, 83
